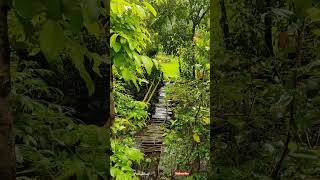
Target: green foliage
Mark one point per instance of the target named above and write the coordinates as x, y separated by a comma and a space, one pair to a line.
129, 38
77, 54
170, 69
174, 23
181, 29
187, 135
123, 158
49, 143
135, 34
131, 114
265, 105
52, 32
51, 39
131, 117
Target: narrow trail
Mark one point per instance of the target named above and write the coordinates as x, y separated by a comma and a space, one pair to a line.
150, 141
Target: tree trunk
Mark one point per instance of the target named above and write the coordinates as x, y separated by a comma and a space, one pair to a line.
213, 88
110, 113
110, 99
195, 23
7, 148
224, 24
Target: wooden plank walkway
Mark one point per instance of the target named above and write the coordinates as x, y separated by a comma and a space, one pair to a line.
151, 140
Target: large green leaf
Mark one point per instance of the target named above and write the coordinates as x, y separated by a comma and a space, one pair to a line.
116, 47
77, 53
128, 51
93, 28
137, 57
314, 13
140, 11
53, 8
72, 11
137, 61
114, 44
301, 6
97, 61
90, 10
51, 39
126, 74
134, 154
113, 39
150, 8
28, 8
148, 63
119, 60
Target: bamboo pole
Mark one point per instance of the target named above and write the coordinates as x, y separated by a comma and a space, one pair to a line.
146, 96
154, 89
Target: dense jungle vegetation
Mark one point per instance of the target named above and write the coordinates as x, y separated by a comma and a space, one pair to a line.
81, 79
265, 89
55, 53
168, 41
82, 76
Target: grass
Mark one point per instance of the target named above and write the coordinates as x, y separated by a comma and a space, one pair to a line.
170, 69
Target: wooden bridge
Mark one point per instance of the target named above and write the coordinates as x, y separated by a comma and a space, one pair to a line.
150, 141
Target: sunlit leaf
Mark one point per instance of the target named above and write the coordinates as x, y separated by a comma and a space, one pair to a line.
148, 64
196, 138
113, 39
150, 8
206, 120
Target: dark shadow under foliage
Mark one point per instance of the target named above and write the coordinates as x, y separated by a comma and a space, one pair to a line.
265, 89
